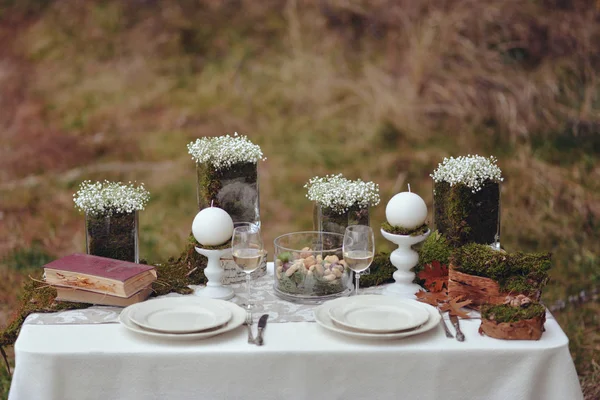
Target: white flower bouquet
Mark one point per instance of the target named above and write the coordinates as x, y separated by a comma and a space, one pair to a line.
471, 171
108, 198
340, 202
341, 194
225, 151
111, 217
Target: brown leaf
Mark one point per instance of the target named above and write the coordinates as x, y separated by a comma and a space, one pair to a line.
454, 307
435, 276
432, 298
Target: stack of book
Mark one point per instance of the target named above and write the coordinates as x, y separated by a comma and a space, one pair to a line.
91, 279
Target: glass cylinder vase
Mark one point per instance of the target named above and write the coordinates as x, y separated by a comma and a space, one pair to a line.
326, 219
234, 189
113, 236
464, 216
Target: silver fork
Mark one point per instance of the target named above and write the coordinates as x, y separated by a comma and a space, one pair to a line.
248, 324
449, 334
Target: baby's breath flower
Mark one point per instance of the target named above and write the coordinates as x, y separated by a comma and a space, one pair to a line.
339, 193
108, 198
225, 151
469, 170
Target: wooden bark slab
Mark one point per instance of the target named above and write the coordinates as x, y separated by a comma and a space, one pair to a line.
478, 289
527, 329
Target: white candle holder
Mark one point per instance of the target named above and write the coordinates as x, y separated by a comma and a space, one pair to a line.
214, 274
404, 258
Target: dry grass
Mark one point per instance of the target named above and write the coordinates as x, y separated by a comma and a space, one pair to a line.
380, 90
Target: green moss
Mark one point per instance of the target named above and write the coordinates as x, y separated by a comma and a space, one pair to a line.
299, 283
506, 313
176, 274
517, 272
398, 230
381, 271
517, 284
464, 216
324, 288
223, 246
434, 248
287, 285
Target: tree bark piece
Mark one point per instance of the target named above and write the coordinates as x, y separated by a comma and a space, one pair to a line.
527, 329
478, 289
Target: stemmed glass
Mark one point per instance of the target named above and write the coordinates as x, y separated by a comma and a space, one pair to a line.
358, 249
247, 251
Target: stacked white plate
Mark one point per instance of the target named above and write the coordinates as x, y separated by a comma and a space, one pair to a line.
376, 317
182, 318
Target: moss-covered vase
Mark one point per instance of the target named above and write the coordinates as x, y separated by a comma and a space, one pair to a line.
326, 219
113, 236
464, 216
234, 189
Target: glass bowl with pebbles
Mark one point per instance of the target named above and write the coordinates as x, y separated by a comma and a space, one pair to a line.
309, 267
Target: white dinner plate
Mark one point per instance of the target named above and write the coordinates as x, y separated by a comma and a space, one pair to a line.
378, 314
238, 316
179, 314
323, 319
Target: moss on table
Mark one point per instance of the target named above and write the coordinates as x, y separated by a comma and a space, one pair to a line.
381, 271
435, 248
176, 274
516, 272
222, 246
506, 313
399, 230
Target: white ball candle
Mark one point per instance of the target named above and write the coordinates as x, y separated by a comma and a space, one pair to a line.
407, 210
212, 226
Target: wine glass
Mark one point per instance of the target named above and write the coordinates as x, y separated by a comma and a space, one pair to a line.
247, 251
358, 249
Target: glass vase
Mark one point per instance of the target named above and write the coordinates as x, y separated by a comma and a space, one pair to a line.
467, 217
234, 189
310, 267
328, 220
113, 236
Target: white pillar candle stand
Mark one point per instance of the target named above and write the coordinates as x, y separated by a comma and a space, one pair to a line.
404, 258
214, 274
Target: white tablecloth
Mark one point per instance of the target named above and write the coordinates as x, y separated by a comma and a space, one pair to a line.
300, 360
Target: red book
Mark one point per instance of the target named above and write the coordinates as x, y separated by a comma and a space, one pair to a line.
99, 274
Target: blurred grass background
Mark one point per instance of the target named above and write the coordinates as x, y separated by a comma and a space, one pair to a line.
380, 90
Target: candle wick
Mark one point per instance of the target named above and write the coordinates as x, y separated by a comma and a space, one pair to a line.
211, 202
409, 187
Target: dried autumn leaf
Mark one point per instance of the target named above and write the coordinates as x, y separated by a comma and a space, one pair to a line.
435, 276
432, 298
454, 307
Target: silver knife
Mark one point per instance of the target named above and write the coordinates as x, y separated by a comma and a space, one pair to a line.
262, 323
459, 335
